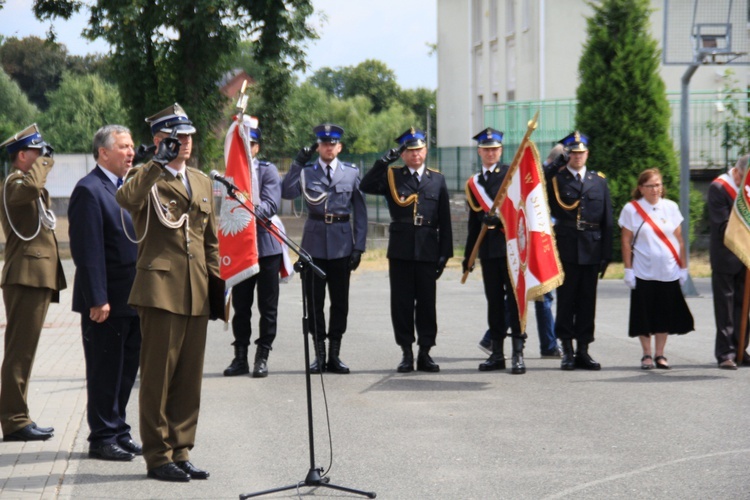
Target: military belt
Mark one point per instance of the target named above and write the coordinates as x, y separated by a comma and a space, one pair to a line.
580, 225
330, 218
417, 220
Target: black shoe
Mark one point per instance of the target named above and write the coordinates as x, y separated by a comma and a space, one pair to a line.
169, 472
425, 362
131, 446
239, 364
568, 360
518, 367
335, 365
583, 360
407, 362
110, 451
193, 471
260, 368
28, 433
319, 365
496, 361
48, 430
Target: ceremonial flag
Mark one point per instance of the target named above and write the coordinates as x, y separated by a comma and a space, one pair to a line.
737, 235
238, 245
533, 263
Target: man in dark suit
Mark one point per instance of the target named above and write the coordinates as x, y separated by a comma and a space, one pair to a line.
105, 269
419, 245
331, 192
267, 278
173, 215
32, 276
582, 210
481, 190
727, 271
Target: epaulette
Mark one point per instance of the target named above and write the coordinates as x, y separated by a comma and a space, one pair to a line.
601, 174
350, 165
433, 170
263, 163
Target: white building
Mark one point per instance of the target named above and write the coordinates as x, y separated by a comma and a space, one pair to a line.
495, 51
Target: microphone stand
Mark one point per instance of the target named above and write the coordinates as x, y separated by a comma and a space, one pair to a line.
303, 266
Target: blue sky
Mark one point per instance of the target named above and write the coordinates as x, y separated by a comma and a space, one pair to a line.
393, 31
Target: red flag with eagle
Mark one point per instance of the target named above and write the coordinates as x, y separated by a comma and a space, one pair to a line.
238, 245
533, 263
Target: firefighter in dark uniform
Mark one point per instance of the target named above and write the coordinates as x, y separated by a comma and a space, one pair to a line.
582, 210
32, 276
331, 192
420, 243
481, 190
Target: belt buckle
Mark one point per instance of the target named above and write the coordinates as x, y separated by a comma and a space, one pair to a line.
418, 219
580, 225
328, 218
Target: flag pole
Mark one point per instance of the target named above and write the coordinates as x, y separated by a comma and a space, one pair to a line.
498, 197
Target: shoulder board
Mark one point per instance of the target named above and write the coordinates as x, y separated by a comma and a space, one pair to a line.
196, 171
433, 170
350, 165
263, 163
601, 174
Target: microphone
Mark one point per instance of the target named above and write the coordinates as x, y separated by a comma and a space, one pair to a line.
220, 178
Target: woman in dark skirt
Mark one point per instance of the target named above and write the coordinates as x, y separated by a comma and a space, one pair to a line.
653, 252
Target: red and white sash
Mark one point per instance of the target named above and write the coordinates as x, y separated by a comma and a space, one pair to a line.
658, 231
480, 194
727, 183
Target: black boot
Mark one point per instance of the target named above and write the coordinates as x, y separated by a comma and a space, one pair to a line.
335, 365
319, 365
583, 360
407, 362
260, 368
239, 364
496, 361
568, 359
425, 362
518, 367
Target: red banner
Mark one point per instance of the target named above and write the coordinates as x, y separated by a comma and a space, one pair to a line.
533, 262
237, 232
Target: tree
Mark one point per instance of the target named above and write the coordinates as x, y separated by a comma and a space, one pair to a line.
35, 64
372, 78
16, 112
77, 109
170, 51
332, 81
622, 104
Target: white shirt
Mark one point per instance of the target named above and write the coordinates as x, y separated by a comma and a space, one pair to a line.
109, 174
334, 164
582, 172
419, 171
652, 260
486, 169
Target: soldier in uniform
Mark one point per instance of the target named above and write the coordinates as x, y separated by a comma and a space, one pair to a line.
419, 246
582, 210
331, 192
172, 210
32, 276
481, 190
267, 279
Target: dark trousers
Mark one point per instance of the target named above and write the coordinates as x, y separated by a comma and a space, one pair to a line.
413, 290
502, 311
337, 279
728, 291
576, 303
243, 294
111, 350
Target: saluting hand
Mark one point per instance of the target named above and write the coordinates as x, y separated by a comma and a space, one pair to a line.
393, 154
306, 153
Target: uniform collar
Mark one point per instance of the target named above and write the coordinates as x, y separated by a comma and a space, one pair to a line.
582, 172
334, 164
420, 171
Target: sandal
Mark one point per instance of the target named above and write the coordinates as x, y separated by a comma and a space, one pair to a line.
646, 366
661, 363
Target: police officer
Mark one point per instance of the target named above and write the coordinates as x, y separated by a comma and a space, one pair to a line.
420, 243
267, 279
32, 276
178, 249
331, 192
481, 190
581, 206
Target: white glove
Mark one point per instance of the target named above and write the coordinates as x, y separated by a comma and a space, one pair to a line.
629, 278
683, 275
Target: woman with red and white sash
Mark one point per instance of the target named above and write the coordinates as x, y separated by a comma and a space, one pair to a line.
653, 252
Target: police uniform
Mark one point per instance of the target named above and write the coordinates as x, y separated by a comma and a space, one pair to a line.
481, 190
32, 277
419, 246
582, 211
178, 250
267, 278
331, 237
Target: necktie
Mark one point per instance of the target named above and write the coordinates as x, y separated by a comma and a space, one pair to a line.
184, 181
416, 177
328, 172
119, 182
486, 175
578, 179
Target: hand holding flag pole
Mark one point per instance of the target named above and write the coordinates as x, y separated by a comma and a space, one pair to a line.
499, 197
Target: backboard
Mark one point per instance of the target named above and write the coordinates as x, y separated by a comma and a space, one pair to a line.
706, 32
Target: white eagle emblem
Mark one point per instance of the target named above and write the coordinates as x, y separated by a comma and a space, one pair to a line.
233, 217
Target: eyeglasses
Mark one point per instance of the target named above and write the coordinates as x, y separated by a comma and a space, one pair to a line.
652, 186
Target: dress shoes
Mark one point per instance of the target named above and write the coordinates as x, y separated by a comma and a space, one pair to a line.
169, 472
48, 430
407, 362
28, 433
568, 359
192, 471
110, 451
425, 362
131, 446
583, 360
